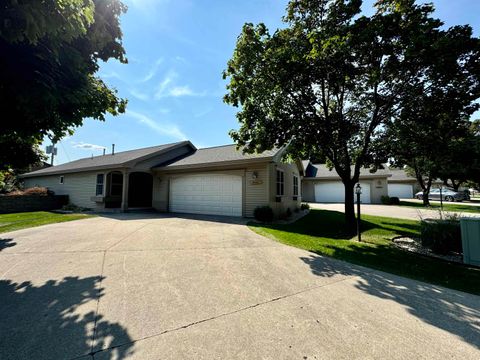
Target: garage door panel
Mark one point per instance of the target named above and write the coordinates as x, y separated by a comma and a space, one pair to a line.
334, 192
207, 194
402, 191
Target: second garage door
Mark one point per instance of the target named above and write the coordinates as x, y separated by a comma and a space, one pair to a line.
207, 194
402, 191
334, 192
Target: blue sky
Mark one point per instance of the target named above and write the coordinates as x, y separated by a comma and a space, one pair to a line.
177, 50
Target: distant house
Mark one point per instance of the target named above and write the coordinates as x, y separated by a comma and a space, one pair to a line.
179, 178
321, 184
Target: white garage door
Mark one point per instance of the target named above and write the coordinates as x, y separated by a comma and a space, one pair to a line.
402, 191
334, 192
207, 194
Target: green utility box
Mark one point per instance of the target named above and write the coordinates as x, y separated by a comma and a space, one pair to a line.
471, 240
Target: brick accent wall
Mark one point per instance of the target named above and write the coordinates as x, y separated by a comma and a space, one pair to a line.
22, 203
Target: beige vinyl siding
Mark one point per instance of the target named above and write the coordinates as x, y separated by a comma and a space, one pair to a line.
286, 201
256, 193
80, 187
160, 193
308, 191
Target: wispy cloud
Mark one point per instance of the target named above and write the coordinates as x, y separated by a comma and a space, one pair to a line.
153, 71
166, 129
168, 88
162, 89
139, 95
181, 91
203, 112
87, 146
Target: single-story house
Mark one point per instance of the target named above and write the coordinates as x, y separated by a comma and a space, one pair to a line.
179, 178
320, 184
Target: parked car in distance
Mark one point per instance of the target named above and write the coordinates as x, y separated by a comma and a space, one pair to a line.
447, 195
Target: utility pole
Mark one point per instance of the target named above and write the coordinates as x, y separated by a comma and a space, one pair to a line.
51, 149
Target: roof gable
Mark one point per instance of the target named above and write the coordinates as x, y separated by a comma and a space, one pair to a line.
218, 155
121, 159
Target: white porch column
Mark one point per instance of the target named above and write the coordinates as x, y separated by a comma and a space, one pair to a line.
124, 206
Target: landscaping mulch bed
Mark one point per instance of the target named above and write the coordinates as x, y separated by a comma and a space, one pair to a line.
415, 246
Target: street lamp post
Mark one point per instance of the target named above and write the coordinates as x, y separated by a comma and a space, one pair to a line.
358, 191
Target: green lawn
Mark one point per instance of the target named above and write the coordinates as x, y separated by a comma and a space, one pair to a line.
459, 207
17, 221
322, 232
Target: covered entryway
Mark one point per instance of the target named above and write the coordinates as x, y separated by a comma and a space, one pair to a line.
402, 191
213, 194
140, 186
113, 192
334, 192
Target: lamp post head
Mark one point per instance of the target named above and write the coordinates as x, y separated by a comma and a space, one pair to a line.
358, 189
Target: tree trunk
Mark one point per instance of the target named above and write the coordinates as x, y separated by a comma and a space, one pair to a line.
426, 191
350, 224
455, 185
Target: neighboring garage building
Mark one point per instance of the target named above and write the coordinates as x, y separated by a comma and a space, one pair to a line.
178, 178
320, 184
402, 185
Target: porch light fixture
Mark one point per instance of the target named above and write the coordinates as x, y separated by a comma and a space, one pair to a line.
358, 191
254, 175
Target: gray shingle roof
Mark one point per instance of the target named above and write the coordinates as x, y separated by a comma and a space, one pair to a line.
218, 154
400, 175
321, 171
119, 159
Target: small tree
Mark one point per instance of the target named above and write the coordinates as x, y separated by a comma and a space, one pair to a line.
50, 53
328, 83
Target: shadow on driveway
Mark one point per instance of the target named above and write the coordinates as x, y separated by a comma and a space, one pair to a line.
56, 320
6, 243
452, 311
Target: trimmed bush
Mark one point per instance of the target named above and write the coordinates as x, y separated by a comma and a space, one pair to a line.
394, 200
385, 200
441, 236
304, 206
34, 191
263, 213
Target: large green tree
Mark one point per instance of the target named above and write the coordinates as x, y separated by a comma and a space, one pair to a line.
50, 51
328, 82
431, 133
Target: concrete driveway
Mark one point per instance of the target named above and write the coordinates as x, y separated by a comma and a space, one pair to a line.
164, 287
400, 212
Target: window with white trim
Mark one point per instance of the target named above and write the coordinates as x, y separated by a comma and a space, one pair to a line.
280, 183
295, 185
62, 179
99, 186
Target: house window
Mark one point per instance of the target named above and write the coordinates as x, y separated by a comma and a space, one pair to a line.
116, 184
99, 188
62, 179
295, 185
280, 183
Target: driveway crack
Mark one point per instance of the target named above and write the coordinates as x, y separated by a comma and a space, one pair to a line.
246, 308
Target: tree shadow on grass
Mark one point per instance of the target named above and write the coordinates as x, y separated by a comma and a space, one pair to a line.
6, 243
452, 311
331, 224
56, 320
